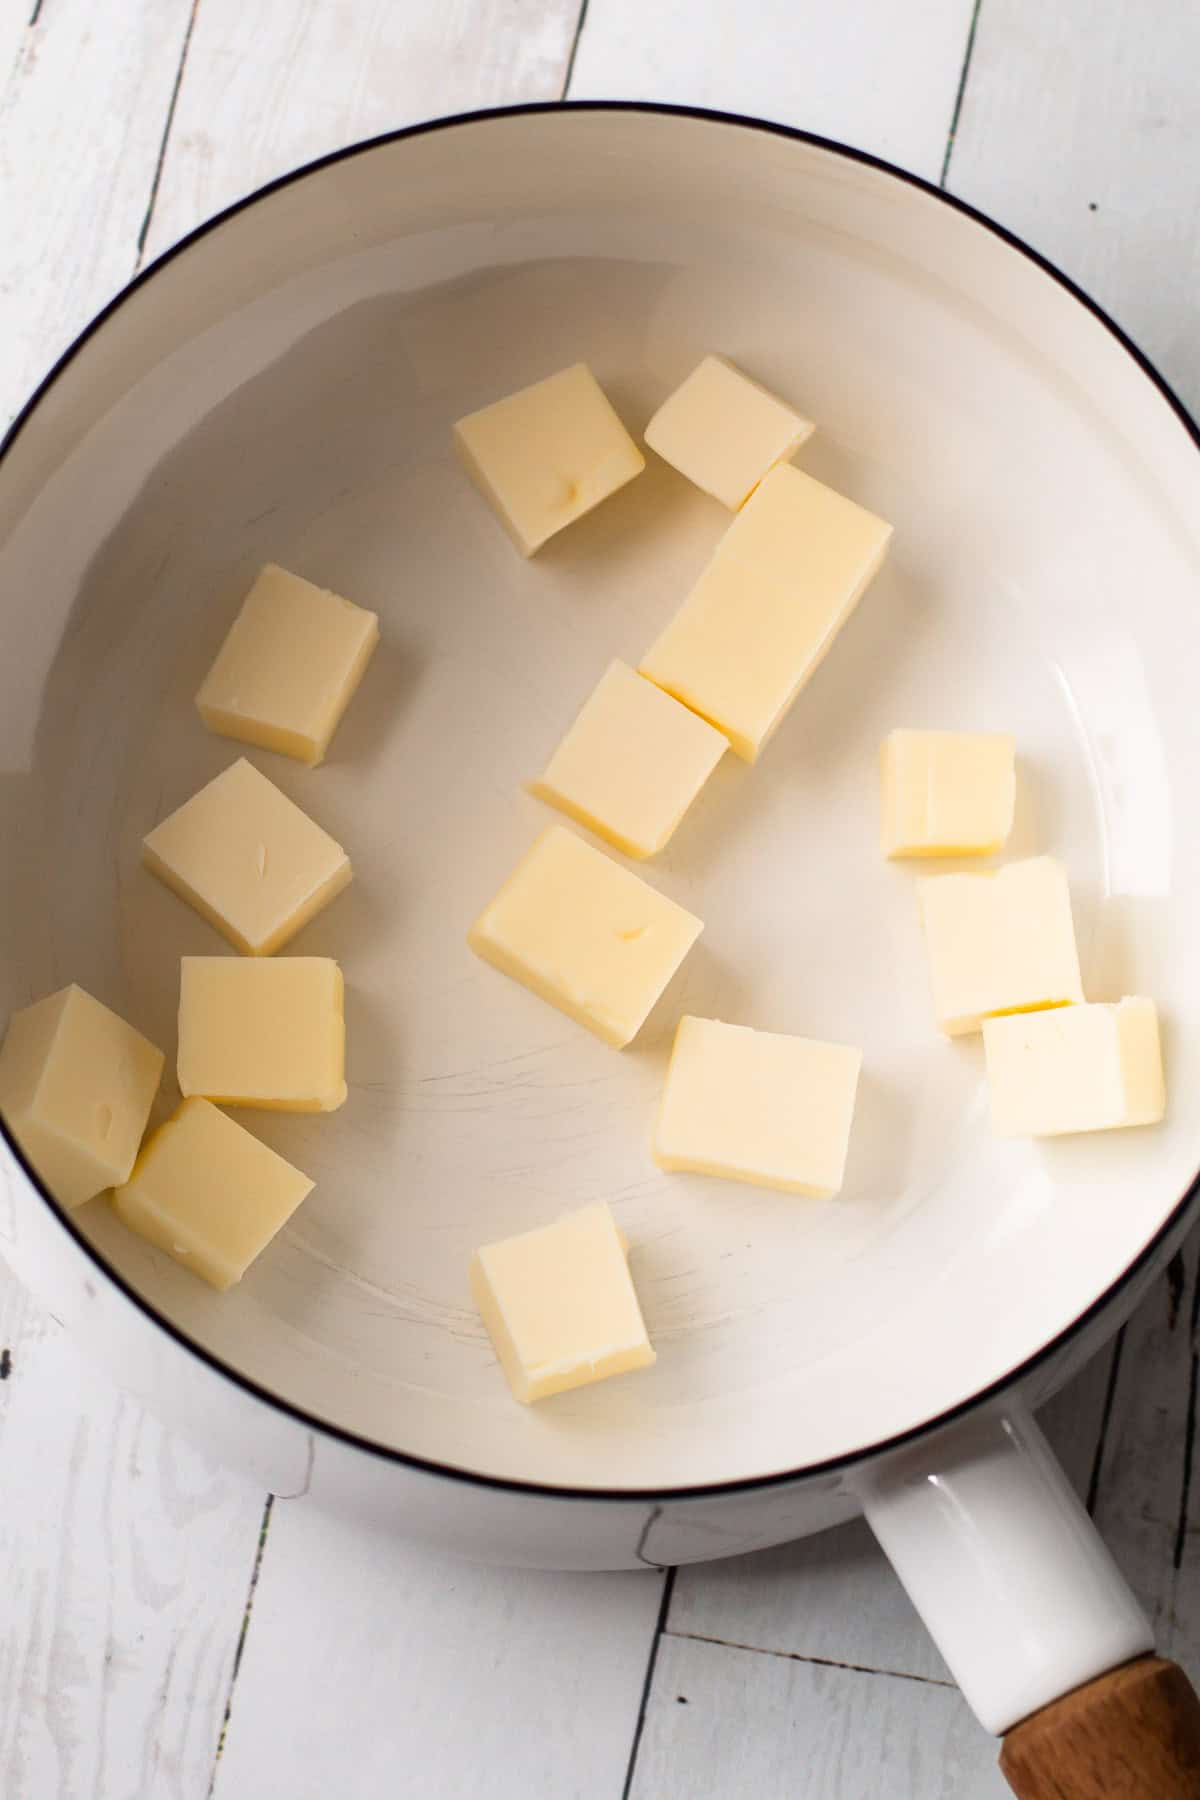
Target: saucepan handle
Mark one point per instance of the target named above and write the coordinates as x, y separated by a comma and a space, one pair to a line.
1038, 1627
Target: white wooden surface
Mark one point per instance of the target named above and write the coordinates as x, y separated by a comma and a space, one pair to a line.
154, 1612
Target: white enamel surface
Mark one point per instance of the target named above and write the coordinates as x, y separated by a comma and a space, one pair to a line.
285, 389
1006, 1569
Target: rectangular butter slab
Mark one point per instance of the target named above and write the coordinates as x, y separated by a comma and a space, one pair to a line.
209, 1193
725, 432
548, 454
263, 1031
247, 859
289, 666
559, 1305
946, 793
590, 937
758, 1106
1078, 1068
631, 764
785, 578
76, 1087
1002, 941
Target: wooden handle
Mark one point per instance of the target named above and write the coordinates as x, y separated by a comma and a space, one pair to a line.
1133, 1734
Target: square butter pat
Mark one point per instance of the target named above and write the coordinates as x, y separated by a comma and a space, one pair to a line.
785, 578
946, 793
1002, 941
1078, 1068
247, 859
724, 432
76, 1087
209, 1193
632, 763
559, 1305
289, 666
585, 934
758, 1106
263, 1031
548, 454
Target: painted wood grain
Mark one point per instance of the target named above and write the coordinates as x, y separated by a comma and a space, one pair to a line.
1080, 130
124, 1564
83, 117
269, 86
430, 1677
1148, 1489
734, 1722
879, 76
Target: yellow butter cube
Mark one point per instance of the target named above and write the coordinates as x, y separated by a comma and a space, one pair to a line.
247, 859
632, 763
76, 1087
946, 793
559, 1305
1002, 941
289, 667
725, 432
209, 1193
785, 577
585, 934
263, 1031
548, 454
758, 1106
1078, 1068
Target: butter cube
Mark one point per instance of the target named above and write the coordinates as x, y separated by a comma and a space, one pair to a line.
76, 1087
946, 793
247, 859
548, 454
263, 1032
785, 578
1078, 1068
724, 432
559, 1305
1002, 941
590, 937
289, 666
209, 1193
758, 1106
632, 763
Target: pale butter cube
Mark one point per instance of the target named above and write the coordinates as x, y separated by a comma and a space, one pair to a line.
267, 1031
758, 1106
632, 763
289, 666
1002, 941
76, 1087
785, 577
559, 1305
946, 793
209, 1193
1078, 1068
725, 432
548, 454
590, 937
247, 859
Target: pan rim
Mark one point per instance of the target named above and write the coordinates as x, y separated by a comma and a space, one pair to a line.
296, 1414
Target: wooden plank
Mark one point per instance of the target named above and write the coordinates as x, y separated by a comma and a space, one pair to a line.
723, 1722
84, 113
125, 1559
879, 76
1080, 130
269, 86
834, 1598
1148, 1496
429, 1677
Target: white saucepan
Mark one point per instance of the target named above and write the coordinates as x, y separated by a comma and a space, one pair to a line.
281, 386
